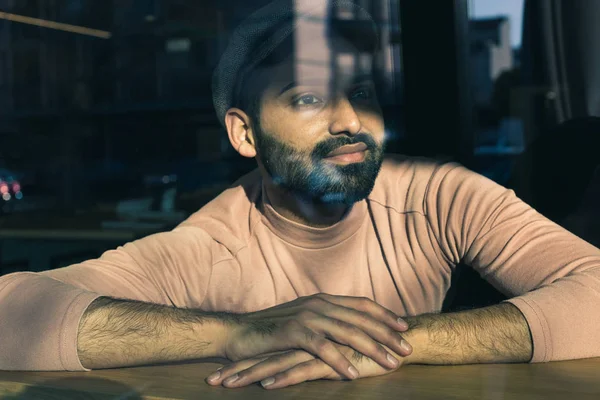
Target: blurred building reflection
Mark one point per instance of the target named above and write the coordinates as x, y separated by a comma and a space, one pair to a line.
495, 80
491, 53
84, 118
159, 51
75, 107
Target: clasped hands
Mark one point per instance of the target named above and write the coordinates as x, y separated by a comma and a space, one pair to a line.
316, 337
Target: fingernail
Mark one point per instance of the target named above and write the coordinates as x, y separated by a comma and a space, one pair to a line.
353, 372
392, 360
402, 323
407, 347
267, 382
231, 379
214, 376
220, 368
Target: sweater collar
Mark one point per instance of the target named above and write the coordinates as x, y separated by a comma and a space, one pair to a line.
310, 237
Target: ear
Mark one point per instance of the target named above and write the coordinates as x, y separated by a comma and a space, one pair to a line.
239, 129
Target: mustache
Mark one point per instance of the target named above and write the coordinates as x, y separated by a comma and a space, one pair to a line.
322, 149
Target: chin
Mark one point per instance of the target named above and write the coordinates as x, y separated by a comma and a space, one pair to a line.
342, 198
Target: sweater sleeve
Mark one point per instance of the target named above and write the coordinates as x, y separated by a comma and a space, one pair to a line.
40, 312
549, 274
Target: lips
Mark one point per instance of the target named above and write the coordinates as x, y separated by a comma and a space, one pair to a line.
349, 149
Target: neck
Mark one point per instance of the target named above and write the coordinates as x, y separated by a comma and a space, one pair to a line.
302, 210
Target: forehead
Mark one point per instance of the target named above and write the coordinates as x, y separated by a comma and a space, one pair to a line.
335, 62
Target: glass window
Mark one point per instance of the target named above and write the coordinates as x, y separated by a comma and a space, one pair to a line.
495, 31
533, 73
109, 109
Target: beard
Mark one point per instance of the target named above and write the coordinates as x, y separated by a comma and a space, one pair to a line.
309, 176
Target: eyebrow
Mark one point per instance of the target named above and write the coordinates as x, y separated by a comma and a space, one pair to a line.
357, 79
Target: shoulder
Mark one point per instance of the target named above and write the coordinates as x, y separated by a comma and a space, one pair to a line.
230, 217
415, 184
403, 181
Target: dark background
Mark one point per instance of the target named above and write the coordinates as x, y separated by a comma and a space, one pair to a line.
113, 138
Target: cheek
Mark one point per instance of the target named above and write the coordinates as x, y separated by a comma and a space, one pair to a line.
294, 130
375, 126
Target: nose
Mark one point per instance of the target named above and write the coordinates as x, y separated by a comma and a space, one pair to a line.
344, 119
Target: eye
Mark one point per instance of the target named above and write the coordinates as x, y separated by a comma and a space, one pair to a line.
306, 100
361, 94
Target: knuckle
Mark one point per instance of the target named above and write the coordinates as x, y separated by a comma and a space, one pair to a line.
243, 374
306, 315
226, 371
365, 319
369, 305
327, 299
351, 330
310, 336
322, 345
341, 324
382, 351
360, 333
391, 334
291, 355
291, 326
282, 376
376, 324
316, 302
297, 373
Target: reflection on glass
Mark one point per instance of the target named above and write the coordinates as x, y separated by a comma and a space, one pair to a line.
495, 39
98, 98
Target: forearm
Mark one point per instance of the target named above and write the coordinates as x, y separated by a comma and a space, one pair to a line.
118, 333
495, 334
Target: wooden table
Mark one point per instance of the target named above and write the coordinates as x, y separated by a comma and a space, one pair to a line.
572, 380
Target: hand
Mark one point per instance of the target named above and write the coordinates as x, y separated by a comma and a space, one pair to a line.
291, 368
314, 324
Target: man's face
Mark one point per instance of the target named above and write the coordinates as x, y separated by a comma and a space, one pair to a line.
304, 117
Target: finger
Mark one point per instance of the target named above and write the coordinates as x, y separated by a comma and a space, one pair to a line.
352, 336
379, 332
354, 321
299, 336
306, 371
217, 378
267, 368
370, 307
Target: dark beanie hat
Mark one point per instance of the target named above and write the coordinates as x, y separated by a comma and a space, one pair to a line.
256, 37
